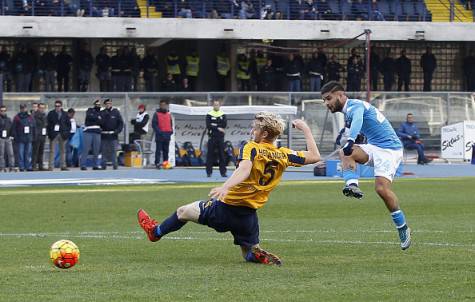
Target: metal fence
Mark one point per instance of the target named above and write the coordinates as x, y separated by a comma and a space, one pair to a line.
431, 110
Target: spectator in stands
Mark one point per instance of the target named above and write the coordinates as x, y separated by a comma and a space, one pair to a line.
355, 74
260, 61
388, 70
72, 155
22, 65
140, 123
469, 71
126, 66
359, 10
403, 68
428, 64
278, 15
374, 69
316, 70
410, 138
247, 10
324, 10
163, 127
293, 72
169, 83
223, 66
185, 85
48, 69
150, 71
308, 10
174, 66
63, 67
253, 70
103, 69
278, 61
333, 69
23, 130
58, 129
243, 73
112, 125
267, 77
216, 123
85, 66
92, 136
192, 68
39, 138
184, 9
5, 66
116, 75
353, 53
135, 63
32, 54
6, 141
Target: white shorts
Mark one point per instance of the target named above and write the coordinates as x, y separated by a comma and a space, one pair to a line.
384, 161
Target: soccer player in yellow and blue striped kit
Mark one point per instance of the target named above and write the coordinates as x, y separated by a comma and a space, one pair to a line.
232, 206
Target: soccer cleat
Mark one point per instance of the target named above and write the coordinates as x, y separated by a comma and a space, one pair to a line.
352, 191
265, 257
405, 237
148, 224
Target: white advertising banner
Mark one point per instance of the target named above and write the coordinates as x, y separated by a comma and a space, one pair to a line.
457, 140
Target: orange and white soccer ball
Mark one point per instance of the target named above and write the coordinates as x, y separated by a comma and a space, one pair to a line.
64, 254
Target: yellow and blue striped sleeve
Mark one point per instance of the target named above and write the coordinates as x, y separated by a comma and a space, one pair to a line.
247, 152
295, 158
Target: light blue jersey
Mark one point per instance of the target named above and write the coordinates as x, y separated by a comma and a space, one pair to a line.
362, 117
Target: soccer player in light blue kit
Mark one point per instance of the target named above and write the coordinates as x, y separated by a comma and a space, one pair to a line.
383, 151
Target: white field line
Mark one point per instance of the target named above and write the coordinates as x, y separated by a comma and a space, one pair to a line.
136, 236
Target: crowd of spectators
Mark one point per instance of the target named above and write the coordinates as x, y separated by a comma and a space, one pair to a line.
256, 70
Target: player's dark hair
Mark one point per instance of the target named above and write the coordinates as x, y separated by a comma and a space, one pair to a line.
331, 86
163, 101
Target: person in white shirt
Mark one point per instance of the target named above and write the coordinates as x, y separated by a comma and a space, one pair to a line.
71, 152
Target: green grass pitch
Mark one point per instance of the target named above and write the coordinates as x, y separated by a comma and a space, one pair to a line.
333, 248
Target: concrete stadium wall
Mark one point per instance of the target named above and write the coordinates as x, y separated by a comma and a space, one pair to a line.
74, 27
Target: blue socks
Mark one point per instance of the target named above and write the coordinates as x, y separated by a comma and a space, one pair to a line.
171, 224
250, 257
399, 219
350, 177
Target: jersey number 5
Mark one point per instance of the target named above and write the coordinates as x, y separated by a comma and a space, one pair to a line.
269, 173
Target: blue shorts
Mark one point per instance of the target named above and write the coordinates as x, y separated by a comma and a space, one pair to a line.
242, 222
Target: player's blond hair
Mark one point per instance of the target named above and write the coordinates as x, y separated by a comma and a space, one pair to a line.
270, 122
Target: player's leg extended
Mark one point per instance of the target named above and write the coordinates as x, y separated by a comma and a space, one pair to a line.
348, 165
176, 221
258, 255
383, 187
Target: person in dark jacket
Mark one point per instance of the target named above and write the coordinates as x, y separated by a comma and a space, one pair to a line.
150, 71
5, 66
48, 69
411, 139
169, 83
6, 141
135, 63
162, 125
116, 76
126, 66
112, 125
39, 138
355, 74
267, 77
428, 64
333, 69
374, 68
58, 133
403, 67
22, 67
388, 69
92, 136
23, 130
316, 70
63, 67
103, 69
85, 66
140, 123
216, 123
293, 72
469, 71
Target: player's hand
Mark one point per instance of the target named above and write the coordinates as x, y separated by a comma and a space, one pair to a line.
348, 147
300, 124
218, 192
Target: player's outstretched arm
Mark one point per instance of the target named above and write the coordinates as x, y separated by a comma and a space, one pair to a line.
241, 174
312, 155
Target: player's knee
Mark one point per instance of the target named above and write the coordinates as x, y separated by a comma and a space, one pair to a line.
380, 189
181, 213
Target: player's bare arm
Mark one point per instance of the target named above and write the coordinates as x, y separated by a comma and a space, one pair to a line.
312, 155
239, 175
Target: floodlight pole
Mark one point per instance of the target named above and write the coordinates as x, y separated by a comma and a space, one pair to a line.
368, 64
